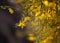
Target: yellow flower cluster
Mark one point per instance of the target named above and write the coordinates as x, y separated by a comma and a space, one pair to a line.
40, 20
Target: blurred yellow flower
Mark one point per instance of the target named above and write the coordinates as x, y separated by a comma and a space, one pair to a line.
21, 24
11, 10
37, 13
26, 19
45, 3
31, 8
44, 41
47, 39
38, 8
48, 15
58, 27
42, 16
32, 37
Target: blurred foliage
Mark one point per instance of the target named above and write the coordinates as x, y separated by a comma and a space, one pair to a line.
41, 18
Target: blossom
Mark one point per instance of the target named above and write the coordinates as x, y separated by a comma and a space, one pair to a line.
11, 10
45, 3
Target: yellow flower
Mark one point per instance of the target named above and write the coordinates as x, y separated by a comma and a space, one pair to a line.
11, 10
42, 16
21, 24
26, 19
31, 8
58, 27
44, 41
38, 8
45, 3
32, 37
37, 13
48, 15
